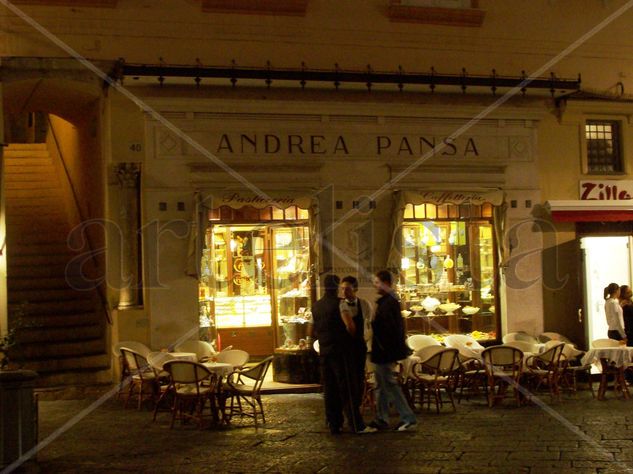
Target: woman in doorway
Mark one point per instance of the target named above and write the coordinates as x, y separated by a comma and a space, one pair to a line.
613, 311
627, 312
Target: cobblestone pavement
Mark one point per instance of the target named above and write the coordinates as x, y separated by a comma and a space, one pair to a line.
579, 435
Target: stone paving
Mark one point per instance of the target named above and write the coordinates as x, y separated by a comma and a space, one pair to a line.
578, 435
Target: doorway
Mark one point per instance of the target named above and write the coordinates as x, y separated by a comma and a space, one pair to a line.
257, 280
606, 259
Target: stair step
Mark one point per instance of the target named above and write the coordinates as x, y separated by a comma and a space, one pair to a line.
63, 320
27, 163
31, 154
36, 260
26, 335
19, 193
57, 350
26, 174
32, 185
88, 362
58, 307
38, 223
26, 283
36, 237
32, 208
44, 248
25, 146
37, 295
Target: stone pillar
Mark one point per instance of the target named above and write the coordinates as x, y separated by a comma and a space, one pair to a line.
128, 176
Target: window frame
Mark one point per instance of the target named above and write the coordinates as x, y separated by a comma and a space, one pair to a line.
621, 138
436, 15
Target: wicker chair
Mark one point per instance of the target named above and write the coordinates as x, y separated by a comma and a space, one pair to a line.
545, 369
243, 387
190, 395
503, 366
124, 370
142, 377
436, 373
236, 357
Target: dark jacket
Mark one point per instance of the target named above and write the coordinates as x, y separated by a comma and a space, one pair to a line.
388, 342
329, 328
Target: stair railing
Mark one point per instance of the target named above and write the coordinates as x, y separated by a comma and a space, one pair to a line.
100, 292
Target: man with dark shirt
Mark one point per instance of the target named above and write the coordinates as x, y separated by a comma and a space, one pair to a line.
388, 347
337, 361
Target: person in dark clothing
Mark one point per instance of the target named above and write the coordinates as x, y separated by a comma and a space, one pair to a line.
357, 314
389, 346
627, 312
337, 362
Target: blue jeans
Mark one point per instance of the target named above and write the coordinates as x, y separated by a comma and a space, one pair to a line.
388, 390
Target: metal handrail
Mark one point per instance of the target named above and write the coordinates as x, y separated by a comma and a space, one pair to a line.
102, 296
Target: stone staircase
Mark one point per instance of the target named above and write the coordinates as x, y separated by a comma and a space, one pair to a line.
60, 330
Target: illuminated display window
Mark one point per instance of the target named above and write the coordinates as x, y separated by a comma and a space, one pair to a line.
448, 276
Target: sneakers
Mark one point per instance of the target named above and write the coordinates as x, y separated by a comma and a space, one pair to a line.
378, 425
367, 429
405, 426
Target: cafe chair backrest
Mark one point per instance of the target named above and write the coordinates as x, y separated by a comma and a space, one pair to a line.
419, 341
158, 359
235, 357
137, 347
519, 336
523, 346
202, 349
428, 352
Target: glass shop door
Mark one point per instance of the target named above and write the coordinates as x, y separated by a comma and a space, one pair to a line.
256, 285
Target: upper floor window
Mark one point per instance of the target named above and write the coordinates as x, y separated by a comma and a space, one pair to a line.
437, 12
604, 154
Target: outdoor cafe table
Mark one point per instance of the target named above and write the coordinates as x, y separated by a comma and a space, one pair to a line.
220, 369
617, 357
190, 356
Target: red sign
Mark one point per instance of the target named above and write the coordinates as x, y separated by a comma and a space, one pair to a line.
608, 190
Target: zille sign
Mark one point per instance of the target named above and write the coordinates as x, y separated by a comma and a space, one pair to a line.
610, 190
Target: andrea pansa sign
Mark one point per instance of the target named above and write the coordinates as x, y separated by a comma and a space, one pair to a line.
303, 144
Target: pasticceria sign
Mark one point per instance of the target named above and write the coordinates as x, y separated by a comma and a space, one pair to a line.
340, 145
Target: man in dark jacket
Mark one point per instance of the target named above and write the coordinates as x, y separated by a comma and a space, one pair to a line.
388, 347
337, 362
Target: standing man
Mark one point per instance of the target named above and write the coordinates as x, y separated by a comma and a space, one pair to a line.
337, 361
388, 347
357, 314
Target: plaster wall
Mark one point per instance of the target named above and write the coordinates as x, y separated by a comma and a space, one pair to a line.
515, 36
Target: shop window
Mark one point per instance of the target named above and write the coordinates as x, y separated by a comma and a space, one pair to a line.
448, 278
438, 12
255, 287
262, 7
603, 146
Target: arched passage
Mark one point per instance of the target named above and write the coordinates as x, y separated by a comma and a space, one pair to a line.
54, 181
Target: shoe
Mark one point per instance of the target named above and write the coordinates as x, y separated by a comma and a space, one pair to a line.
367, 430
378, 425
335, 431
405, 426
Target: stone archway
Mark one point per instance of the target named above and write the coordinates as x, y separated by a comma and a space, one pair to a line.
53, 183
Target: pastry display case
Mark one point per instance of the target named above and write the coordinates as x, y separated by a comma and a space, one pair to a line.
255, 290
447, 277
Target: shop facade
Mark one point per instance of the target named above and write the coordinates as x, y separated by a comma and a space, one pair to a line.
587, 217
323, 186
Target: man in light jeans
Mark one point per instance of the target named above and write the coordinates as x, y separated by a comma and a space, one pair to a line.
388, 347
